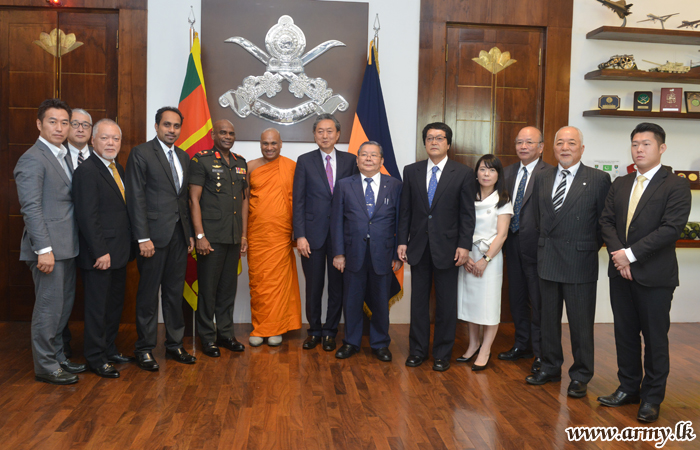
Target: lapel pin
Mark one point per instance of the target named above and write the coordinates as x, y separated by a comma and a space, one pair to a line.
584, 183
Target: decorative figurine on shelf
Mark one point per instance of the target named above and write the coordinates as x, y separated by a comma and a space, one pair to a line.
619, 62
689, 24
669, 67
653, 18
619, 7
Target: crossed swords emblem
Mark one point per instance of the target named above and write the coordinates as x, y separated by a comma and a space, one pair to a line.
285, 43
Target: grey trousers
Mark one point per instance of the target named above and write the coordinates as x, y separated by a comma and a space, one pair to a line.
55, 293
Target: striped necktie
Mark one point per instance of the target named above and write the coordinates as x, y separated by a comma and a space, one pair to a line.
558, 199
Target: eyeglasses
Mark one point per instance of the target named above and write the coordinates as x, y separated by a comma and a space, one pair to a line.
85, 125
438, 139
528, 143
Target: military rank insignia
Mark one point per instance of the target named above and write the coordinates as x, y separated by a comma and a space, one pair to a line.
240, 170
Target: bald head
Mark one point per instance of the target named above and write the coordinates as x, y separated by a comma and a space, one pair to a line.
270, 144
529, 145
223, 135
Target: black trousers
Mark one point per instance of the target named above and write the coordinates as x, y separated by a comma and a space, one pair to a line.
524, 296
165, 270
104, 300
580, 310
217, 278
422, 276
636, 309
314, 268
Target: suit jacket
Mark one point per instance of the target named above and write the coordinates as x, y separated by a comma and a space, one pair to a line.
46, 202
152, 199
661, 215
527, 231
103, 221
69, 159
448, 223
351, 224
312, 195
570, 239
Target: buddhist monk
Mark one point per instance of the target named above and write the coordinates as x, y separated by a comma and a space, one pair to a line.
275, 303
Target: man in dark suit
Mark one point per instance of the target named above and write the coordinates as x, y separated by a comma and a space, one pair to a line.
570, 199
105, 246
363, 236
315, 178
78, 151
644, 214
436, 227
49, 241
156, 190
521, 247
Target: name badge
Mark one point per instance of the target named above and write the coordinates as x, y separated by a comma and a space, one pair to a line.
217, 170
240, 170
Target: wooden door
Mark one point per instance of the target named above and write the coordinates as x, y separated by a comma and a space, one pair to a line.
484, 110
85, 77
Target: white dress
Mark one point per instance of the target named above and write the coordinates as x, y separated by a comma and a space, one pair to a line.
479, 299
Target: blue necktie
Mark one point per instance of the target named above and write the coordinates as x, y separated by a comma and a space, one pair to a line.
432, 186
515, 221
369, 197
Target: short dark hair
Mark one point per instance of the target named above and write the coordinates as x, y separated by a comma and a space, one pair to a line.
159, 113
659, 133
438, 126
381, 150
326, 116
492, 162
53, 103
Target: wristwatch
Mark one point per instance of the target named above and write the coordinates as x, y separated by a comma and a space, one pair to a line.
486, 257
200, 236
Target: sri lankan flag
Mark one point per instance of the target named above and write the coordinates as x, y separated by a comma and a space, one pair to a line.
195, 135
370, 124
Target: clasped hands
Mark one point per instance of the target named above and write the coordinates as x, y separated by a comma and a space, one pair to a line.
622, 263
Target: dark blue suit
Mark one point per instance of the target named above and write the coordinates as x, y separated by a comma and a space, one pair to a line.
368, 268
312, 199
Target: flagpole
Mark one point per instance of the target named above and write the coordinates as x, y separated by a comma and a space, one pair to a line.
191, 20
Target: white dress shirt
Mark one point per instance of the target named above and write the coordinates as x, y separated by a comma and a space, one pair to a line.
569, 179
376, 179
106, 163
429, 174
178, 167
333, 162
59, 153
648, 175
74, 154
529, 168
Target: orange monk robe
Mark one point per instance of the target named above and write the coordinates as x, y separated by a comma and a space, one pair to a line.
275, 302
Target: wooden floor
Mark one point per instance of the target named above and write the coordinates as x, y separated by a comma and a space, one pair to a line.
289, 398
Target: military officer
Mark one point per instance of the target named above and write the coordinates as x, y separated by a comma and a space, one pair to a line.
219, 210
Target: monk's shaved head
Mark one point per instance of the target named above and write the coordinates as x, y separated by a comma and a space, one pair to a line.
270, 144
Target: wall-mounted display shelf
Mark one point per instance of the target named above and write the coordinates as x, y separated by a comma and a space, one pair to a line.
640, 114
692, 77
687, 243
650, 35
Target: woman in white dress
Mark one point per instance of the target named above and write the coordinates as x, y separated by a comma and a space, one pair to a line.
479, 290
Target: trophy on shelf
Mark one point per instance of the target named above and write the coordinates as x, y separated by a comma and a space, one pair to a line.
619, 7
669, 67
642, 100
624, 62
671, 99
653, 18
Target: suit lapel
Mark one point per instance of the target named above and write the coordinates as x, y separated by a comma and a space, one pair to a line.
512, 177
578, 185
357, 188
625, 192
318, 163
107, 175
548, 184
649, 191
53, 161
160, 154
184, 163
381, 195
422, 185
445, 179
531, 184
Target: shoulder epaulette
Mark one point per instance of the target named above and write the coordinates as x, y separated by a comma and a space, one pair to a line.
204, 153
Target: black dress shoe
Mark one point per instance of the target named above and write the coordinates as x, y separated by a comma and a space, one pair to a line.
67, 351
180, 355
328, 343
543, 377
462, 359
441, 365
619, 398
105, 371
72, 367
382, 354
311, 342
146, 361
414, 360
515, 354
477, 368
120, 359
59, 376
648, 412
230, 344
536, 365
210, 349
577, 389
346, 351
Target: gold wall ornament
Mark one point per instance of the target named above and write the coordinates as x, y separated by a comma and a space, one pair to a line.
494, 61
50, 42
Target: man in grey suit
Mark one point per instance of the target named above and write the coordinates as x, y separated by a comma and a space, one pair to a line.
521, 247
49, 241
570, 200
